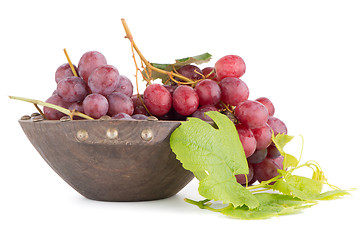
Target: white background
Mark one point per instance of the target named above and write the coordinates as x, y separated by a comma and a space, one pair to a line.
303, 55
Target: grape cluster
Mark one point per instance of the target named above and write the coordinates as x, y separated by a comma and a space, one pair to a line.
220, 88
100, 90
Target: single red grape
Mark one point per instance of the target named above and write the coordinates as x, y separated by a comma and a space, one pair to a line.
233, 91
120, 103
190, 71
123, 116
157, 99
200, 113
63, 72
185, 100
268, 104
95, 105
230, 66
52, 114
208, 91
277, 125
258, 156
104, 80
273, 152
247, 139
252, 113
125, 86
89, 62
266, 170
279, 161
139, 117
240, 178
263, 136
209, 73
72, 89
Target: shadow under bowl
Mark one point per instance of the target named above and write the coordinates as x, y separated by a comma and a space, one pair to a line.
111, 160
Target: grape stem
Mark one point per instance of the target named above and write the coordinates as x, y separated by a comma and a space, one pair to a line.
147, 63
70, 63
68, 112
39, 110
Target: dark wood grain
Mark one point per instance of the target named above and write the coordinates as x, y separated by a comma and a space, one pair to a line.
121, 168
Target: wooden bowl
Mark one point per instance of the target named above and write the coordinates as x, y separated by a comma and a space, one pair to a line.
111, 160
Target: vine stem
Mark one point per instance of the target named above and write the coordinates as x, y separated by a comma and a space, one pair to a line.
68, 112
143, 59
205, 205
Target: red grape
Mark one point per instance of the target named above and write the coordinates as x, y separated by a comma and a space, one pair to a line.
63, 72
120, 103
279, 161
273, 152
136, 100
263, 136
230, 66
95, 105
89, 62
277, 125
185, 100
72, 89
233, 91
140, 110
265, 170
157, 99
247, 139
190, 71
52, 114
139, 117
209, 73
240, 178
138, 106
208, 91
200, 113
104, 80
122, 116
171, 88
258, 156
252, 113
78, 107
125, 86
268, 104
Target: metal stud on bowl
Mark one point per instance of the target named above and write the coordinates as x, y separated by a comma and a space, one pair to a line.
65, 119
35, 114
105, 117
152, 118
112, 133
37, 118
25, 117
82, 135
147, 134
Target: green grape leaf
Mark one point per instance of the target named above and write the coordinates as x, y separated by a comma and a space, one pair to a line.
216, 155
305, 188
198, 59
280, 141
299, 186
331, 195
270, 205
